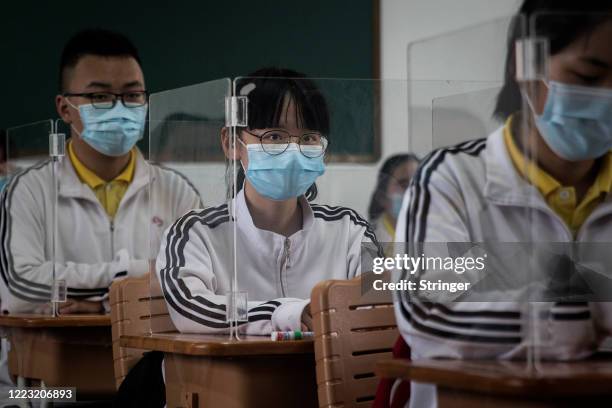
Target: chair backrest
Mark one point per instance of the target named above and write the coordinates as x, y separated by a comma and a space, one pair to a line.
352, 332
137, 307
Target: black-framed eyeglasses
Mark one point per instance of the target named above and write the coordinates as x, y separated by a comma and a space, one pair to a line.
108, 100
276, 141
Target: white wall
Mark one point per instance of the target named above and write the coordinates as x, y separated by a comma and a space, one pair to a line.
405, 21
451, 40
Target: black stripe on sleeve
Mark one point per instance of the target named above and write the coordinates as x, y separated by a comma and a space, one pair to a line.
332, 213
412, 317
18, 286
176, 291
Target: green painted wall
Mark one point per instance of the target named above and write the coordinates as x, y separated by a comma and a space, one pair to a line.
182, 42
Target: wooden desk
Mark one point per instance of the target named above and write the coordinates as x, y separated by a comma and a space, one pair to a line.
70, 351
503, 384
212, 371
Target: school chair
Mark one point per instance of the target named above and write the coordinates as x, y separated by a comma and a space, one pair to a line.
137, 307
352, 332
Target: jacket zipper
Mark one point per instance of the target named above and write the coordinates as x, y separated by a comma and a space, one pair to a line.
285, 263
112, 238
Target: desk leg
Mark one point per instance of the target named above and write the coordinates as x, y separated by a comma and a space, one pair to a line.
43, 403
21, 383
176, 396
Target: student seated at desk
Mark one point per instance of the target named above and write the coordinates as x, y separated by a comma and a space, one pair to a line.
480, 191
393, 180
285, 243
103, 206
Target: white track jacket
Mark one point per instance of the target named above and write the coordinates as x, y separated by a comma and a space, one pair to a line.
91, 250
472, 193
195, 264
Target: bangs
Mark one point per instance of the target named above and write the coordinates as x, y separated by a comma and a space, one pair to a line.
269, 100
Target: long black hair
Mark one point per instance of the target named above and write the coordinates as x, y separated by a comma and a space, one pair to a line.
561, 29
377, 202
267, 90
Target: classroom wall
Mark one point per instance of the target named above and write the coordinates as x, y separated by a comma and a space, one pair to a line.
213, 47
406, 21
182, 42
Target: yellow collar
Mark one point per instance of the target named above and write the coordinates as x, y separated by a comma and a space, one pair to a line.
388, 225
546, 183
93, 180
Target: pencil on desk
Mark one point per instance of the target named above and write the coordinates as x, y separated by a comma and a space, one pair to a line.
291, 335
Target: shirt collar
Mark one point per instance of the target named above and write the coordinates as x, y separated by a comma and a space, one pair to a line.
543, 181
389, 226
71, 186
603, 183
93, 180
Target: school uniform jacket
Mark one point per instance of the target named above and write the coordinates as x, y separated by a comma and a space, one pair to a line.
472, 193
195, 264
91, 250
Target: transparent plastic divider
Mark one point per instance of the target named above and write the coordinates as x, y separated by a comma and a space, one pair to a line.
57, 153
460, 97
572, 262
473, 53
30, 285
188, 192
28, 270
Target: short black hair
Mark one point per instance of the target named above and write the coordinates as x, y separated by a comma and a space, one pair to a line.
94, 41
561, 29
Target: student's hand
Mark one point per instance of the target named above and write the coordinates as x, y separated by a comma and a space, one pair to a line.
306, 319
80, 306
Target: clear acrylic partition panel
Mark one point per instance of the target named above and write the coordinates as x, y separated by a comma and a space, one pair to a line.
463, 61
456, 102
188, 193
346, 127
28, 270
31, 284
571, 266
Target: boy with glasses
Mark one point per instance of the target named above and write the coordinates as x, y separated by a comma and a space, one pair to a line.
103, 216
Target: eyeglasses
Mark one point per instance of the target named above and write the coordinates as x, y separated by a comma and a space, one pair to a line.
108, 100
312, 144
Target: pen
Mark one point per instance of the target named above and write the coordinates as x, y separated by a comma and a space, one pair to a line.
291, 335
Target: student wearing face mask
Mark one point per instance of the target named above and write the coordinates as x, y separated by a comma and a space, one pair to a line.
285, 243
555, 182
393, 180
103, 220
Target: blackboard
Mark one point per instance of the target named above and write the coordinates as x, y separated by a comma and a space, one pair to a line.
185, 42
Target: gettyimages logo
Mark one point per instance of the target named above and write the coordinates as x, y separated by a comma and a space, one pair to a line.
413, 264
491, 272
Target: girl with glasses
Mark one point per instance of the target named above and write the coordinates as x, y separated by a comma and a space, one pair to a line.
285, 243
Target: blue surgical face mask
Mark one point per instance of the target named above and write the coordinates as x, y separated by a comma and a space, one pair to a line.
396, 200
3, 182
577, 121
285, 175
112, 132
